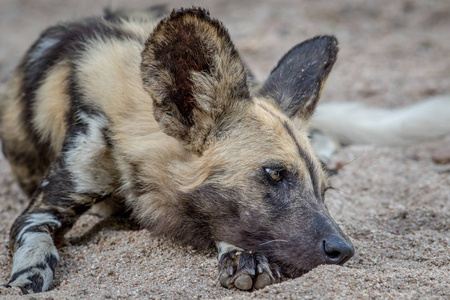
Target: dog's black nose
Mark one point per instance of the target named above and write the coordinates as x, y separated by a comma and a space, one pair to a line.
337, 250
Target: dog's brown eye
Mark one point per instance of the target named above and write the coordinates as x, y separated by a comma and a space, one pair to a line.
275, 174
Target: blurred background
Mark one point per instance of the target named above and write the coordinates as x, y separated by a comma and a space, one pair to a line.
392, 52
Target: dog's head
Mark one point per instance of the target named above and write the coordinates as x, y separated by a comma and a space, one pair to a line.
258, 185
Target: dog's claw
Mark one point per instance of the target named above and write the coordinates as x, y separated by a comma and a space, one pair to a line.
260, 269
230, 271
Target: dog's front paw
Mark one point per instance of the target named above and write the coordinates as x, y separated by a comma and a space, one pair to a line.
246, 270
31, 280
34, 265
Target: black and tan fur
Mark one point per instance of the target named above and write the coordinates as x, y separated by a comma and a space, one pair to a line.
160, 117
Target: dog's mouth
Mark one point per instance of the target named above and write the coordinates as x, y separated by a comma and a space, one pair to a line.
296, 270
290, 270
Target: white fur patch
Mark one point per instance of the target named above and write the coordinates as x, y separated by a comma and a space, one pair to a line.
224, 247
35, 220
91, 171
31, 256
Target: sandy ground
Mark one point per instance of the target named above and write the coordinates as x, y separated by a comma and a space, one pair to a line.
394, 203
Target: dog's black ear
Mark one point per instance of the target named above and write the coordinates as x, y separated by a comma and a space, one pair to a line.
297, 81
194, 74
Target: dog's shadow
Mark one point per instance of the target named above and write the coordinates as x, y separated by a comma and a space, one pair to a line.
121, 222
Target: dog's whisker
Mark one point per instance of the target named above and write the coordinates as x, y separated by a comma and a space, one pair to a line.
272, 241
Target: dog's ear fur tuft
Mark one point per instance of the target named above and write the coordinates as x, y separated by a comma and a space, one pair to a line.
194, 74
297, 81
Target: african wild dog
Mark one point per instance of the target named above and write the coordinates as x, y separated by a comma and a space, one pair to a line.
160, 117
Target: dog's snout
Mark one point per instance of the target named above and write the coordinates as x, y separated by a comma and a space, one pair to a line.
337, 250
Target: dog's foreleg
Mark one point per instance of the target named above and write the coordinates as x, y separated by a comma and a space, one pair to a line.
53, 210
82, 176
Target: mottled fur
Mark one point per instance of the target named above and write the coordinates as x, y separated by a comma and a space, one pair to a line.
160, 117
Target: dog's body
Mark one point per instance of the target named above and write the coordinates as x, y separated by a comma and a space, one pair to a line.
159, 117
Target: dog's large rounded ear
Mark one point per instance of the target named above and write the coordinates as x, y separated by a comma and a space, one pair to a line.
194, 74
297, 81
